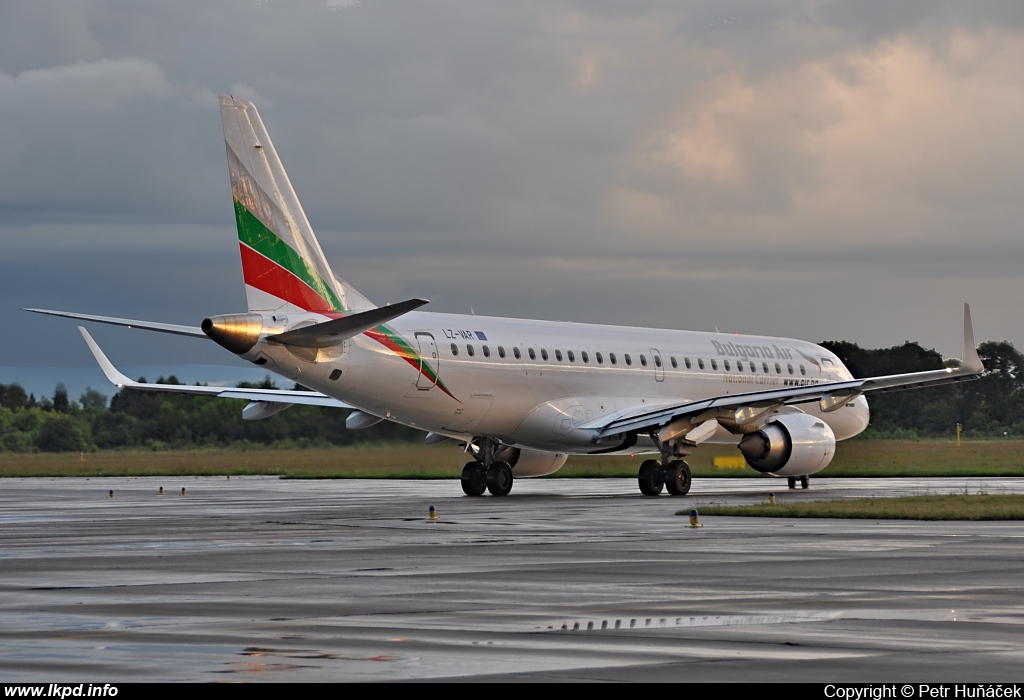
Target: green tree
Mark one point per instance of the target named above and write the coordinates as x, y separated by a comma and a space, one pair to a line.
60, 432
60, 399
12, 396
92, 401
993, 403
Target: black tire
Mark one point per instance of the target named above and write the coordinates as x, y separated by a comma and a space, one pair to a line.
677, 477
650, 478
474, 479
792, 482
499, 479
804, 482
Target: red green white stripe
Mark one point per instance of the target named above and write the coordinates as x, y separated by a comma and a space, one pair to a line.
272, 266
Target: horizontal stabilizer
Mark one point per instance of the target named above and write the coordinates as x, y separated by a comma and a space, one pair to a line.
328, 333
191, 331
279, 396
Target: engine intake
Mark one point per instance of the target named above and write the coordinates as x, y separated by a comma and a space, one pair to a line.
792, 444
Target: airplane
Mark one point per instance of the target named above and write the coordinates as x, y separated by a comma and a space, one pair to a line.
520, 395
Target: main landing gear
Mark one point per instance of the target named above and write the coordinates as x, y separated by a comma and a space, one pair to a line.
669, 472
803, 482
486, 473
674, 476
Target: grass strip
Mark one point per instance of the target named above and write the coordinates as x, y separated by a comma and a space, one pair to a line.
855, 458
952, 507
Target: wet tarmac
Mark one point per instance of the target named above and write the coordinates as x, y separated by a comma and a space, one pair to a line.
261, 579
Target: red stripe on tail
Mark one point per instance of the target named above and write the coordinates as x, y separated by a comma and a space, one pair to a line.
267, 276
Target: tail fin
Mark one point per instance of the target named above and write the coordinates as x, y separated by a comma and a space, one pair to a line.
282, 263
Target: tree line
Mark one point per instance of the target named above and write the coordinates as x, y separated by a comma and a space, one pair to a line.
988, 407
156, 420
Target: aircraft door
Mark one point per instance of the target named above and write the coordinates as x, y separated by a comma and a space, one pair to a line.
659, 366
429, 363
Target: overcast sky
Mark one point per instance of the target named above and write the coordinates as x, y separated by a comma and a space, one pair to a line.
820, 170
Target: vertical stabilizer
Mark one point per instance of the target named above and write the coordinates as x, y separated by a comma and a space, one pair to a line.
282, 263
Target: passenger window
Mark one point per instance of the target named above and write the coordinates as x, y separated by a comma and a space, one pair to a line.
558, 355
611, 357
515, 351
533, 355
764, 366
675, 365
599, 357
570, 355
739, 365
657, 360
335, 375
629, 360
585, 356
487, 351
700, 362
470, 351
714, 365
543, 354
501, 352
686, 361
455, 350
725, 364
803, 370
753, 367
643, 360
790, 368
778, 368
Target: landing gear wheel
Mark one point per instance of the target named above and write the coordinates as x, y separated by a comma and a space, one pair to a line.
650, 478
499, 479
474, 479
677, 477
792, 482
803, 482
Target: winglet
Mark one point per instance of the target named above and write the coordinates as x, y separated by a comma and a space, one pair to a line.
108, 368
971, 363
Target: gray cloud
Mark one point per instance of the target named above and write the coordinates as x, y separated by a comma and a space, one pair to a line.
821, 170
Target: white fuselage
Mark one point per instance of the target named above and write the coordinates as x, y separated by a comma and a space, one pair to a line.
531, 383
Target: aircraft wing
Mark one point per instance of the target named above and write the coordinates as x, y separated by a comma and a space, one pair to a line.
830, 396
191, 331
275, 396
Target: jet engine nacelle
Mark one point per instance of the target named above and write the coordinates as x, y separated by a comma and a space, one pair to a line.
526, 462
793, 444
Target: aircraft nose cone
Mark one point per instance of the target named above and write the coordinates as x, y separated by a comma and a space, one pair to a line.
235, 332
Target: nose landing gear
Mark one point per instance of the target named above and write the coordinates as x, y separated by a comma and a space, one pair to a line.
486, 473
